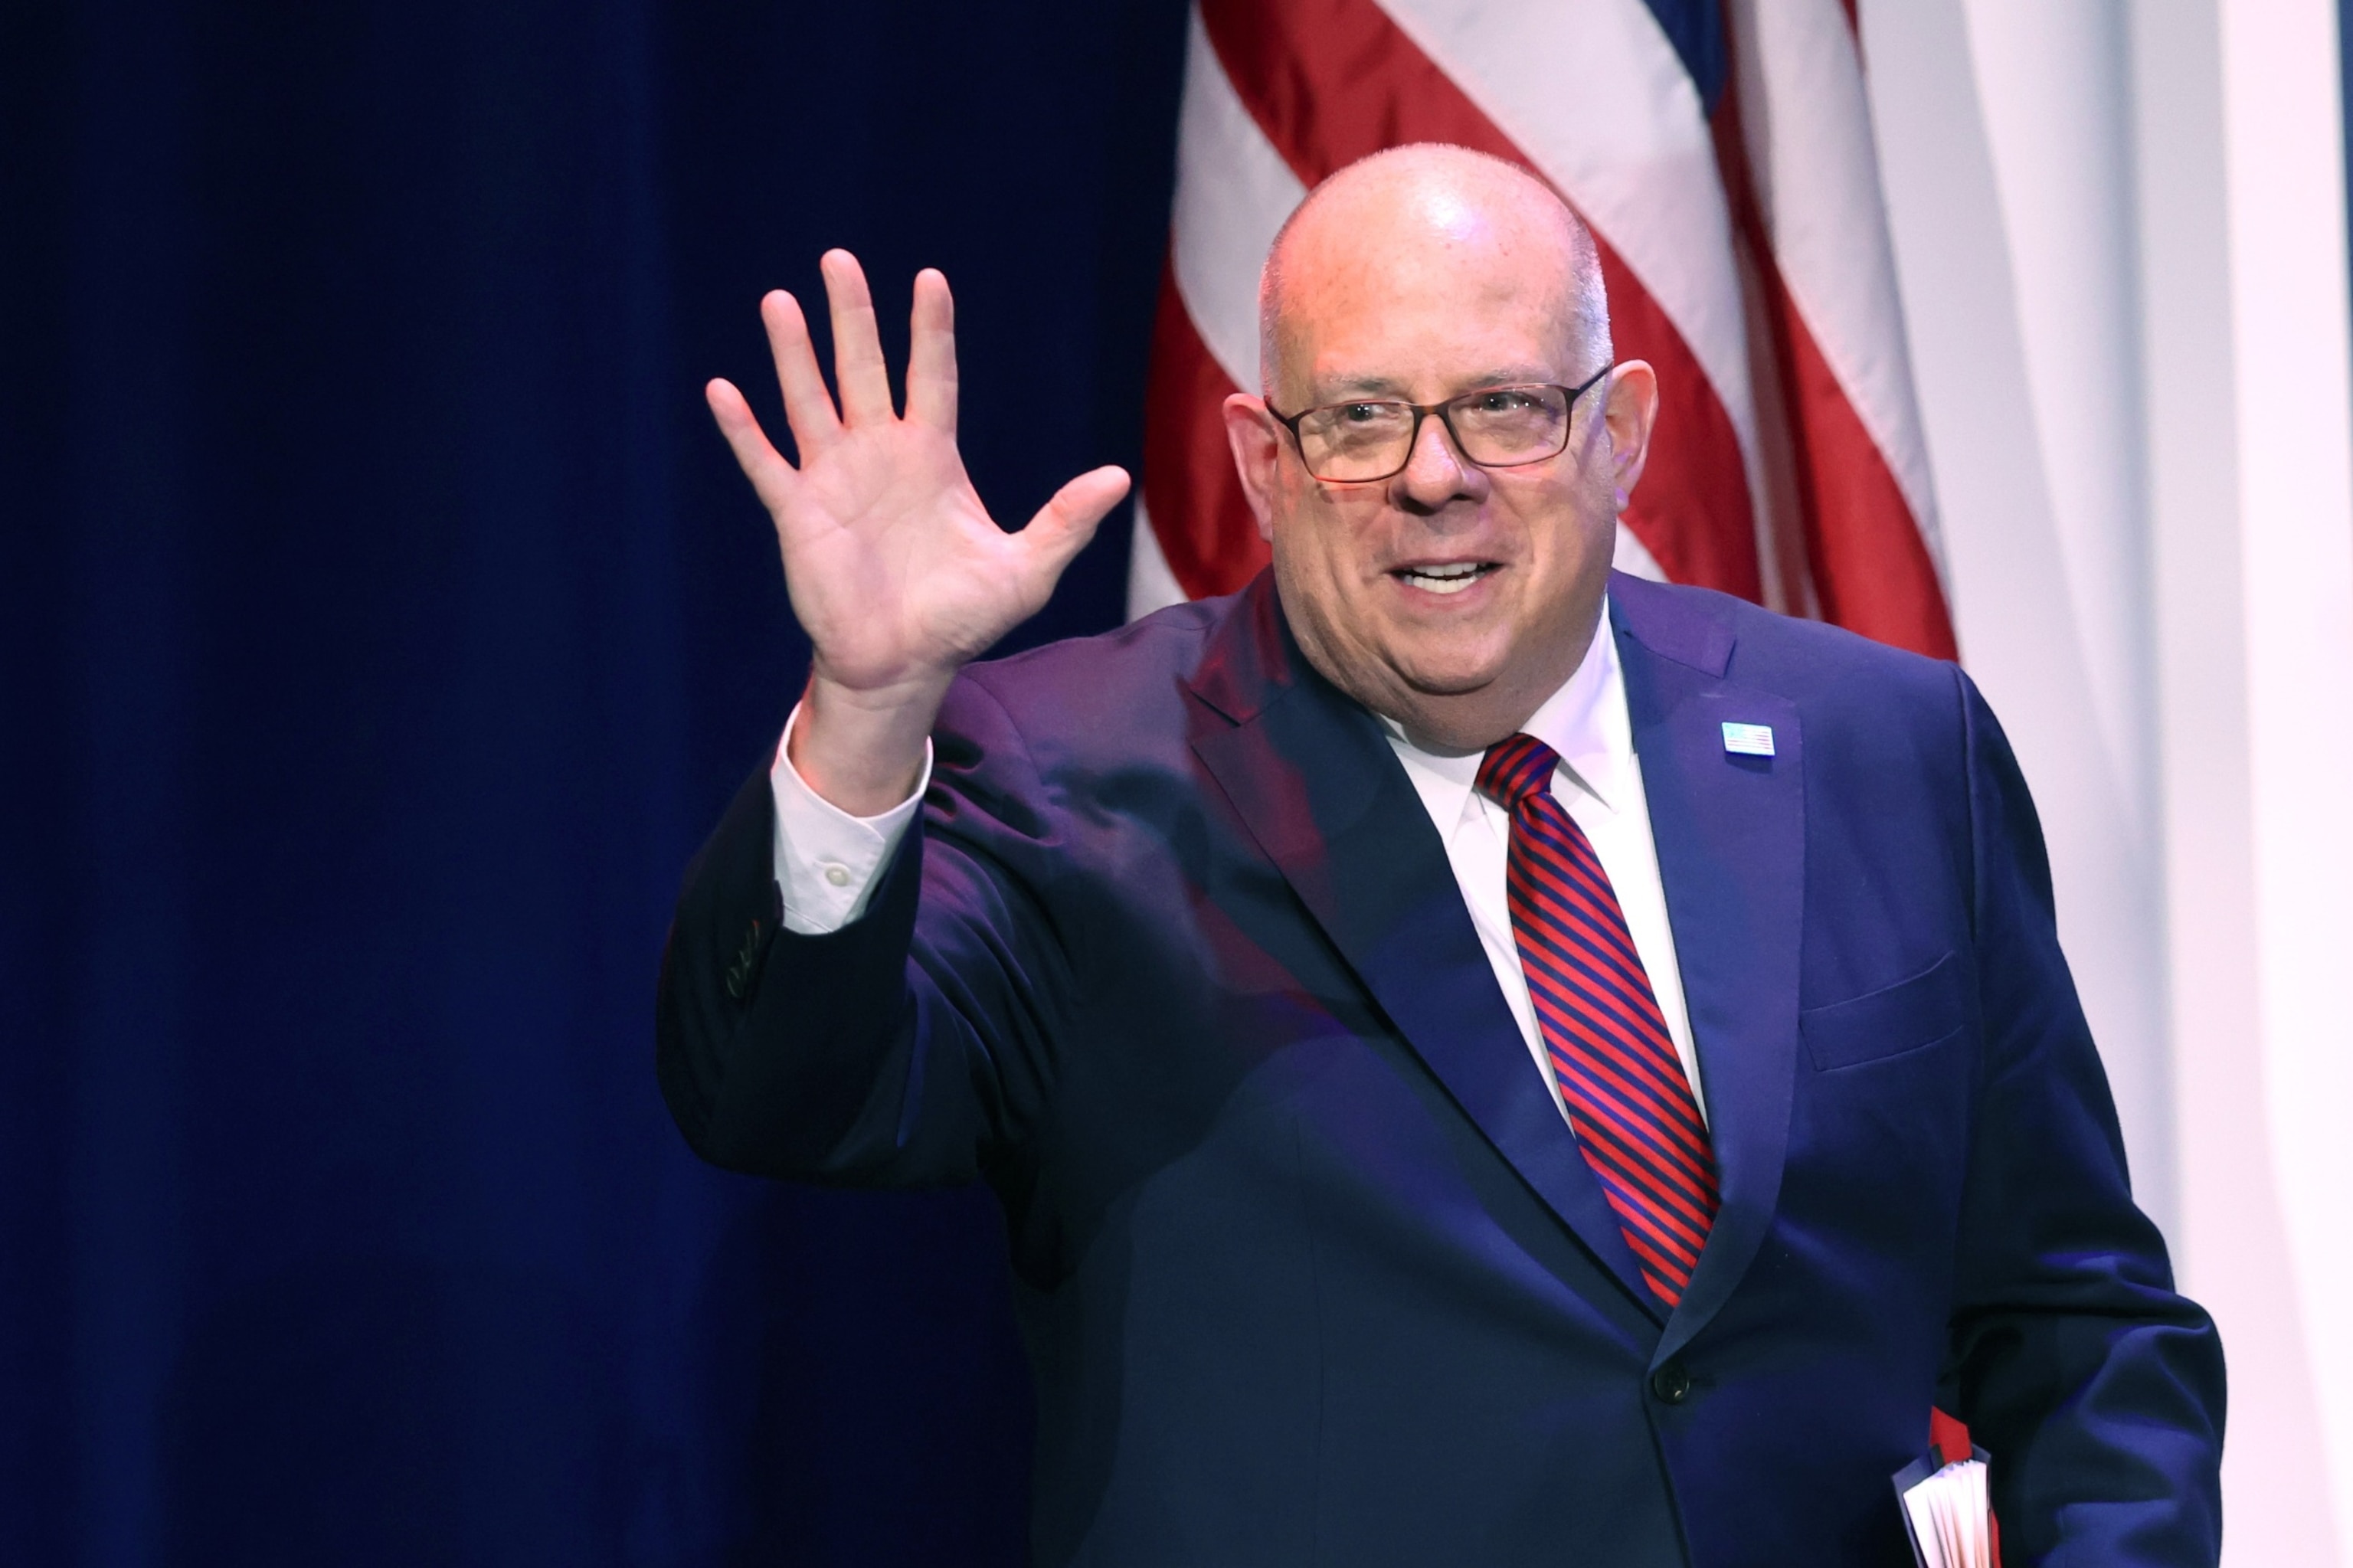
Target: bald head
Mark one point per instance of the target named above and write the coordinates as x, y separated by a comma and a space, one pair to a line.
1428, 209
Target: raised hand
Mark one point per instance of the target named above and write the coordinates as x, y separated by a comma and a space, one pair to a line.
896, 571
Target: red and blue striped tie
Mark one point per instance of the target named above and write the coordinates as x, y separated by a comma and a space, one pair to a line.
1625, 1086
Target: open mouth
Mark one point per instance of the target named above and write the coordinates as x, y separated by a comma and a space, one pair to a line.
1453, 576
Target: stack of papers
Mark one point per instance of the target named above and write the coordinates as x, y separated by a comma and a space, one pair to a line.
1948, 1512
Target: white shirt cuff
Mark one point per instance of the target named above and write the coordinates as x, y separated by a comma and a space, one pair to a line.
827, 860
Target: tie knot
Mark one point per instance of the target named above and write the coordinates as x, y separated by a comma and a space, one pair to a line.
1515, 768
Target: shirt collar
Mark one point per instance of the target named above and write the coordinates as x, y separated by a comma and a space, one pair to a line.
1585, 720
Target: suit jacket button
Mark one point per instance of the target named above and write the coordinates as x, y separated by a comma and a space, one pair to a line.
1672, 1383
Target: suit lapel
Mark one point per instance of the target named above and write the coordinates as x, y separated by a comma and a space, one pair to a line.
1314, 779
1730, 833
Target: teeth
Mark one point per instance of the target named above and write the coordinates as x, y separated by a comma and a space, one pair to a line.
1452, 578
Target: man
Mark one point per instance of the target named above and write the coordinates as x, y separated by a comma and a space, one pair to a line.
1484, 1061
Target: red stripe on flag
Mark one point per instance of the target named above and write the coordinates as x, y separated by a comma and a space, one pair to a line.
1191, 492
1332, 81
1871, 568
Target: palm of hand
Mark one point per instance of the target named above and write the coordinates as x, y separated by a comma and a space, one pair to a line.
896, 570
895, 567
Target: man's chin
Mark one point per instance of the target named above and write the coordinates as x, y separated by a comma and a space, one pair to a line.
1446, 691
1458, 675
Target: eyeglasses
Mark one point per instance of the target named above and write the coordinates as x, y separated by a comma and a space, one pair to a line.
1495, 427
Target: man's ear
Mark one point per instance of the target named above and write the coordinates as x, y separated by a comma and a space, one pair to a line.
1256, 442
1632, 413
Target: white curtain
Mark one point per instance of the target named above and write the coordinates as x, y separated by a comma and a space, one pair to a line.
2119, 232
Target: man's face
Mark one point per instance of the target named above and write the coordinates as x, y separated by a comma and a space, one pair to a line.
1451, 596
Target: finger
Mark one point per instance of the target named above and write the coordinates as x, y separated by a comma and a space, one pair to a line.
1064, 525
930, 358
808, 406
858, 367
771, 477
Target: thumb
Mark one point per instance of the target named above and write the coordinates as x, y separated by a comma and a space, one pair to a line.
1064, 525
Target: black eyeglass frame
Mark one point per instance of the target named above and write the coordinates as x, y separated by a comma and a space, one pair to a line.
1424, 410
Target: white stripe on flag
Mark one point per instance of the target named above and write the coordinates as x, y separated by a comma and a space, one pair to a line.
1629, 557
1593, 92
1807, 125
1233, 192
1150, 584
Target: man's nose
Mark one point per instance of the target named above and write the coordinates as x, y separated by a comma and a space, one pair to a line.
1435, 473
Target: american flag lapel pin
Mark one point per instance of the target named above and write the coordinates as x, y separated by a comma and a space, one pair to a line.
1748, 739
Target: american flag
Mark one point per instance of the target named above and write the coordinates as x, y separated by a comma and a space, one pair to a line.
1722, 151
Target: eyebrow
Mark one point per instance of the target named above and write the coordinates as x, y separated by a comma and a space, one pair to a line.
1387, 388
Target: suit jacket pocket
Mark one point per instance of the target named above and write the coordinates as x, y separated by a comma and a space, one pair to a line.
1921, 1011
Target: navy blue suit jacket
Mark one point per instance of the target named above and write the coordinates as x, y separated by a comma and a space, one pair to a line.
1309, 1267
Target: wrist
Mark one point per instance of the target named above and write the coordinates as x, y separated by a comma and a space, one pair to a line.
862, 748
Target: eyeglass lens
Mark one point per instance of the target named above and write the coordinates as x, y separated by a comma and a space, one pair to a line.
1497, 428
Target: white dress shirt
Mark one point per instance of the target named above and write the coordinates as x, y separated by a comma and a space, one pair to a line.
825, 860
1599, 781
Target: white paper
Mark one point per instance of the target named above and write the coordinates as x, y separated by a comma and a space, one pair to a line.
1948, 1512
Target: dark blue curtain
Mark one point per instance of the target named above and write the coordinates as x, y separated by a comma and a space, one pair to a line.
382, 625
